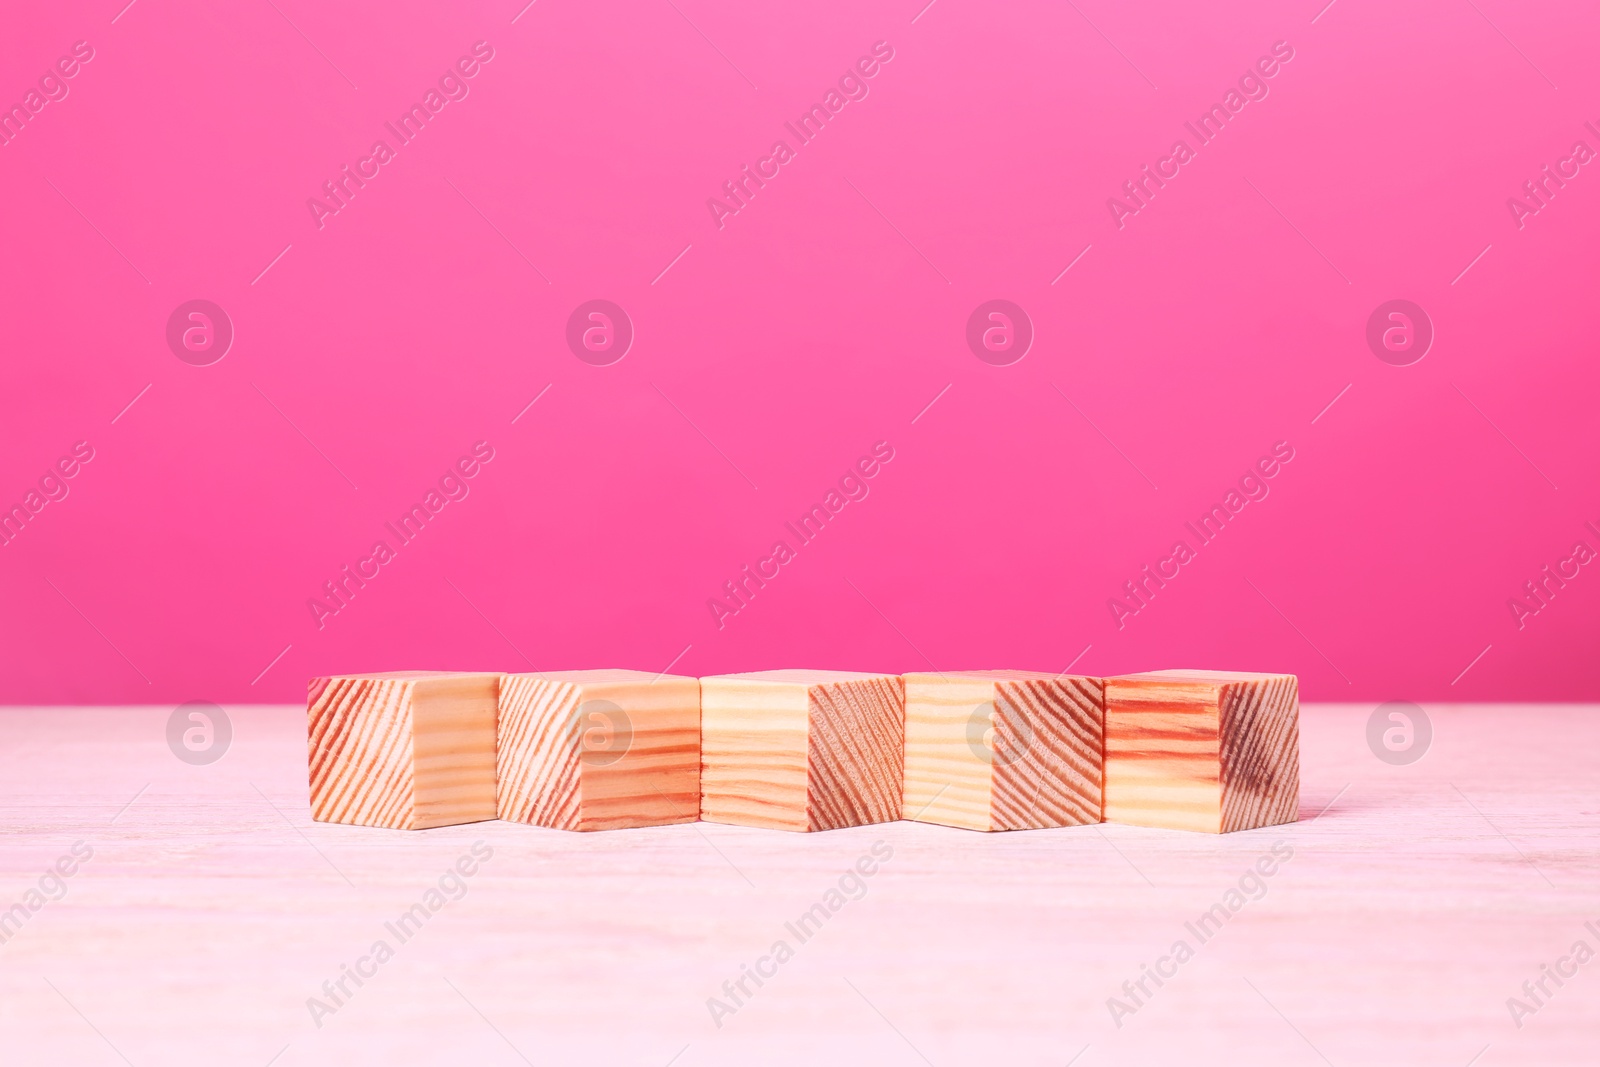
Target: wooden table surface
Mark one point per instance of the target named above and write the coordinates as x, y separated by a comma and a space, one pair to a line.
212, 908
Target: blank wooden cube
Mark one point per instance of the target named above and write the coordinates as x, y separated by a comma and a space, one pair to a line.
599, 750
1004, 750
1214, 751
801, 750
406, 749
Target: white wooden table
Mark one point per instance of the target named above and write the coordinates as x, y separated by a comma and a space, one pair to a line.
213, 908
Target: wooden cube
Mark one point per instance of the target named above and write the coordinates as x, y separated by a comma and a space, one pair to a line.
1004, 750
1214, 751
406, 749
801, 750
599, 750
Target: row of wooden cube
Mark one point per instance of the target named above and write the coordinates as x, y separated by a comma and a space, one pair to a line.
805, 750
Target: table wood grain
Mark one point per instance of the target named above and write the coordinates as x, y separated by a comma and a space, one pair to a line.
1417, 900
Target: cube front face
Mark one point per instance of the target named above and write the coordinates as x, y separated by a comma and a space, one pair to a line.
1003, 750
855, 752
536, 753
599, 750
947, 779
406, 750
801, 750
1260, 752
639, 763
753, 735
1052, 772
1165, 764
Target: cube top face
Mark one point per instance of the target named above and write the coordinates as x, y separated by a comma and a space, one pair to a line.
606, 677
376, 676
1214, 751
400, 676
1004, 750
403, 749
801, 750
989, 676
797, 676
1196, 677
599, 750
317, 685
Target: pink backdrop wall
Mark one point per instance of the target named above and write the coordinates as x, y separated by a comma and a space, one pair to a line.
775, 346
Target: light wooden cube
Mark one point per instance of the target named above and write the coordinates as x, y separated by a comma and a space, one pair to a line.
1004, 750
1215, 751
801, 750
406, 749
599, 750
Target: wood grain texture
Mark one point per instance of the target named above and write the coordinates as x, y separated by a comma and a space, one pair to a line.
1419, 899
946, 782
1057, 778
1003, 750
406, 750
536, 754
1211, 751
854, 754
599, 750
801, 750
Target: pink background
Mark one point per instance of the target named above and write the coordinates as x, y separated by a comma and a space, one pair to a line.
822, 318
